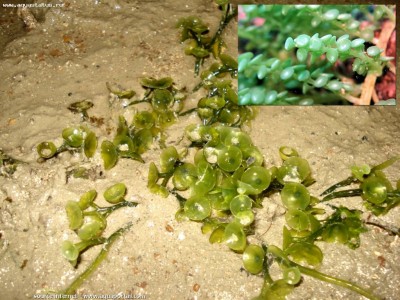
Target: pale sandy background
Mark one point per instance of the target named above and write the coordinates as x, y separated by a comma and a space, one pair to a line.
121, 41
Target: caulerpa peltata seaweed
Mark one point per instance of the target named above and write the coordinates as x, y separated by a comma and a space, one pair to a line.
89, 221
226, 181
224, 194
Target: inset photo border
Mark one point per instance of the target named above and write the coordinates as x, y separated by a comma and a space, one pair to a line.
317, 54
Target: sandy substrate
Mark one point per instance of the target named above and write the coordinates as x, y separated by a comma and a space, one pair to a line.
69, 57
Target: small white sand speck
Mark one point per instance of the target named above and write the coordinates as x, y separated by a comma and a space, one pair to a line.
181, 236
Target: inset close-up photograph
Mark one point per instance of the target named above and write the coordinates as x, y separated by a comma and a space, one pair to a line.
317, 54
